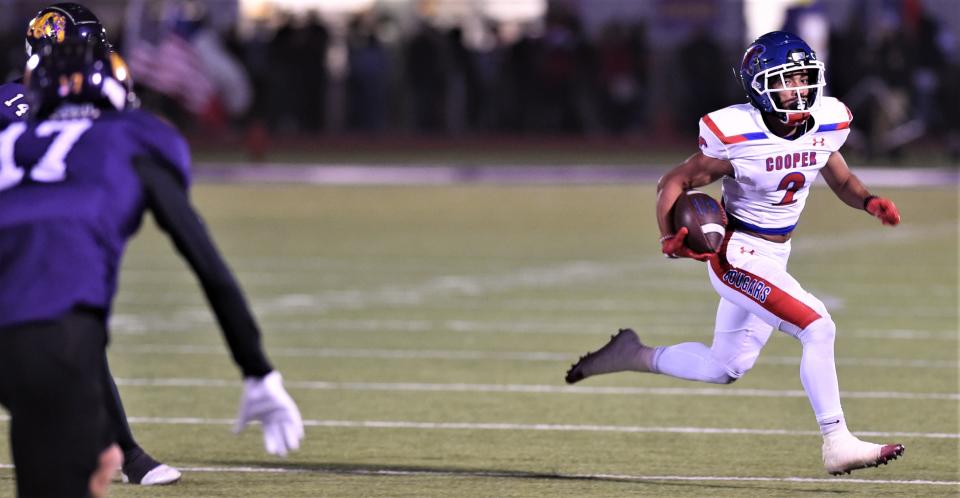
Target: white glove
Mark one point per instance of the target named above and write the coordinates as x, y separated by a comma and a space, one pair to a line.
267, 401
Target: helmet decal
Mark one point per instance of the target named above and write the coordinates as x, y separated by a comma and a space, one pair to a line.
64, 21
751, 59
50, 25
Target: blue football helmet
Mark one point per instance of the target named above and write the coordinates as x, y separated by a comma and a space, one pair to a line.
77, 71
64, 21
770, 60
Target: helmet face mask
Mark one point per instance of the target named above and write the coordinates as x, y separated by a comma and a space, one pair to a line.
768, 75
78, 72
775, 84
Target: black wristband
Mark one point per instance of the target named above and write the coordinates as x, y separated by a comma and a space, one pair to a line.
866, 200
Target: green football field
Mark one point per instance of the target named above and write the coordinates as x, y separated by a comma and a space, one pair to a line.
425, 333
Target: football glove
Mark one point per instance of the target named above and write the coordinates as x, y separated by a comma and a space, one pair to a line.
265, 400
673, 247
884, 209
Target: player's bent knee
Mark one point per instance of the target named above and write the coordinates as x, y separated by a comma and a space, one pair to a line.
735, 372
729, 369
740, 365
728, 379
721, 379
823, 330
722, 376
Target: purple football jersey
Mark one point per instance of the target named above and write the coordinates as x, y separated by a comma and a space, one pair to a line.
70, 199
13, 103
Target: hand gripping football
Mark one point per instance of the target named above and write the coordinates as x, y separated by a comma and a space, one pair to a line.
704, 218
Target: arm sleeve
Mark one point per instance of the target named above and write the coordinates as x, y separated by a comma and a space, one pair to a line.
167, 199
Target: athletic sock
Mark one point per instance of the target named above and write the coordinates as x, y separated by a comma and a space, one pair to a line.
830, 426
136, 464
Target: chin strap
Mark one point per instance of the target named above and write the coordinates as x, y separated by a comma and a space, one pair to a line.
793, 118
797, 122
796, 116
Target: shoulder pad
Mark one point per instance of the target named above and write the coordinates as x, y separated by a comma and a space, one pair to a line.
832, 115
161, 140
734, 124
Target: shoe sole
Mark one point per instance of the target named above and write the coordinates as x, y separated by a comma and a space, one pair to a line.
888, 453
166, 481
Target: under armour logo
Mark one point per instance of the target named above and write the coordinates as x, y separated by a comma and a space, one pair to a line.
818, 141
744, 251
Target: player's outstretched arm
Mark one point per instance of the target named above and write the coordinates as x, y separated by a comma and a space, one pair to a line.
264, 398
698, 170
168, 200
852, 191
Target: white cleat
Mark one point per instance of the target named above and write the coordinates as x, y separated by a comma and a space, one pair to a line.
843, 453
158, 476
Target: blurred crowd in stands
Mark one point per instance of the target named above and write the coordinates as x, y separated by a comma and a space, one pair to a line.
898, 71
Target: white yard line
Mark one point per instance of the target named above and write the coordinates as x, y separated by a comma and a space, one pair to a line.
467, 355
533, 388
387, 424
452, 286
130, 324
904, 334
504, 426
563, 274
380, 471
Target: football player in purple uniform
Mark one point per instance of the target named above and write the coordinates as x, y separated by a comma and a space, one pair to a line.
75, 181
71, 21
767, 153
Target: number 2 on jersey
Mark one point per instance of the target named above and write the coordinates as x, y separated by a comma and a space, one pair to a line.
791, 183
52, 166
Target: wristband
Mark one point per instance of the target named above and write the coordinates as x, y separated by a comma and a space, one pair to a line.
665, 237
866, 200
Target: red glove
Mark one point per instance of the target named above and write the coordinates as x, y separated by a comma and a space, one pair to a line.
884, 209
673, 247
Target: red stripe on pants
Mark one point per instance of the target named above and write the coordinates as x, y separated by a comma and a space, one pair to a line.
778, 301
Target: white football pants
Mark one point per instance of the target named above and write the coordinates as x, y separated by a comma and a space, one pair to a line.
756, 296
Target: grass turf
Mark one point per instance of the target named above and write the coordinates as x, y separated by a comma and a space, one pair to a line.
406, 299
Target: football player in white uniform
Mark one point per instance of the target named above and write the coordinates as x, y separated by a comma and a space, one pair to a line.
767, 154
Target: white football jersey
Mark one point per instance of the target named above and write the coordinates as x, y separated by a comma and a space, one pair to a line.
772, 175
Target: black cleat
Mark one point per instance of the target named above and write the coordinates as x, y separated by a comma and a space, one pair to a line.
621, 353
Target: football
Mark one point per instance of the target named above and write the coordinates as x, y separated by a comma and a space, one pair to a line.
704, 218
